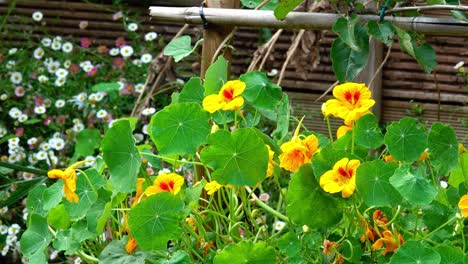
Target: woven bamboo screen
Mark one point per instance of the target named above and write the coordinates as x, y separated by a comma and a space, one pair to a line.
404, 85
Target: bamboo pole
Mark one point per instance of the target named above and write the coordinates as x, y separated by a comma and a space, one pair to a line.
299, 20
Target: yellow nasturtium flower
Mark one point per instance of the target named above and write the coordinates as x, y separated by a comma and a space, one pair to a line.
353, 100
166, 182
297, 151
212, 187
463, 205
228, 98
68, 176
271, 162
342, 178
342, 130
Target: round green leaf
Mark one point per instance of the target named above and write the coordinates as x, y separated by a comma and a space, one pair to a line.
372, 182
412, 184
35, 202
414, 252
53, 195
58, 217
237, 158
115, 253
458, 176
246, 252
192, 92
155, 220
87, 197
443, 148
368, 133
382, 31
180, 128
216, 75
326, 159
260, 91
180, 47
64, 241
406, 139
87, 141
37, 237
450, 254
308, 204
121, 156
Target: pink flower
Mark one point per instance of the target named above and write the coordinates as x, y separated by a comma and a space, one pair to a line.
19, 91
19, 131
117, 15
38, 101
102, 49
48, 120
61, 119
119, 42
118, 63
83, 24
85, 42
92, 72
74, 68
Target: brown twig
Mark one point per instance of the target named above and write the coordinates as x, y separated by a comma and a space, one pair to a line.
387, 55
290, 53
270, 47
151, 76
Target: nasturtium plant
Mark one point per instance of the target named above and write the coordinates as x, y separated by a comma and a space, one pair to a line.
180, 128
406, 139
180, 47
413, 185
443, 145
237, 158
121, 156
216, 76
246, 252
260, 91
368, 133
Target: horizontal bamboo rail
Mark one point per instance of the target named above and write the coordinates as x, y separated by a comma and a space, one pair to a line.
298, 20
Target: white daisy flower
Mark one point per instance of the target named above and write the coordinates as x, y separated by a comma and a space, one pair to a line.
10, 64
43, 79
57, 39
137, 62
144, 129
126, 51
459, 65
38, 53
57, 135
100, 96
41, 155
22, 118
14, 113
53, 255
279, 225
146, 58
16, 77
78, 127
44, 146
3, 131
101, 113
57, 144
37, 16
272, 73
60, 103
56, 45
14, 229
40, 109
12, 51
61, 73
12, 142
67, 47
85, 63
138, 137
60, 82
5, 250
165, 170
11, 239
53, 67
32, 141
264, 197
67, 64
148, 111
150, 36
3, 229
88, 68
132, 27
444, 184
90, 160
46, 42
3, 97
114, 52
139, 87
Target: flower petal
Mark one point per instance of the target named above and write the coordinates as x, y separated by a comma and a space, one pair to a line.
213, 103
236, 103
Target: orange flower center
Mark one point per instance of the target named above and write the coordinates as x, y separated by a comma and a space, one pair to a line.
169, 186
346, 174
228, 94
352, 98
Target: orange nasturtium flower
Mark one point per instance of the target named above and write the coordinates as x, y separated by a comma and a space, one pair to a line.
392, 241
463, 205
352, 101
68, 177
342, 178
228, 98
297, 151
166, 182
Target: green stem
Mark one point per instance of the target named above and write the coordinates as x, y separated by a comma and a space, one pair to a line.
266, 207
394, 217
5, 19
23, 168
172, 160
440, 227
329, 129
